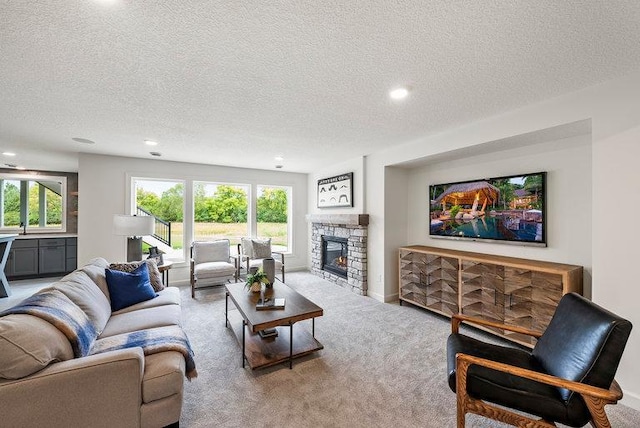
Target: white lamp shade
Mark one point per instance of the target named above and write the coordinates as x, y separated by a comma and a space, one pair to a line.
132, 225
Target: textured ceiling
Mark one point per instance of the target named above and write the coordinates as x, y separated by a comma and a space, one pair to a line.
237, 83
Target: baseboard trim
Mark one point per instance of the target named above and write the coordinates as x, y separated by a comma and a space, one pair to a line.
631, 399
392, 298
376, 296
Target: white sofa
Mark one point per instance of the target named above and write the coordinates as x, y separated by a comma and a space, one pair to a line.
43, 385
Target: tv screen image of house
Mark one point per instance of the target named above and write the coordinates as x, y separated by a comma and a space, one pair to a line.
508, 209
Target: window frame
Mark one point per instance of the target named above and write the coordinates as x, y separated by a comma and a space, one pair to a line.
132, 207
38, 177
189, 206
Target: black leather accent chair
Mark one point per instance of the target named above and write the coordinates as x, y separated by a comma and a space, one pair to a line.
568, 377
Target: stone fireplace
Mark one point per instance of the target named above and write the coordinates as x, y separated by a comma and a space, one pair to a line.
339, 249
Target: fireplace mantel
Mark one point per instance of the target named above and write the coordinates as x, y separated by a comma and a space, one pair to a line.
336, 219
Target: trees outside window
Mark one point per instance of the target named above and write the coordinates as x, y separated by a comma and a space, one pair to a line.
220, 211
272, 215
11, 203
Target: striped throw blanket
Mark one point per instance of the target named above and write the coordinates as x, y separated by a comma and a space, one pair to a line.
57, 309
152, 341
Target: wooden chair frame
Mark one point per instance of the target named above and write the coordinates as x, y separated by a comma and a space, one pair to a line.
595, 398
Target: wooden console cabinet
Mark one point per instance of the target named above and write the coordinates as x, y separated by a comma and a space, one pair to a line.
503, 289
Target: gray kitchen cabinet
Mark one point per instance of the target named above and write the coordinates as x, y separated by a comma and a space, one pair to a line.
23, 258
35, 257
72, 254
52, 255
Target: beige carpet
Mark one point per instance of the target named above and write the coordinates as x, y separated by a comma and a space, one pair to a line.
383, 366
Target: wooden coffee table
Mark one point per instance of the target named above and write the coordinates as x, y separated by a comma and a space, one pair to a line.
247, 321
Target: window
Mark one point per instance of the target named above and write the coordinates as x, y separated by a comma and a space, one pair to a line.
273, 209
220, 211
11, 203
35, 202
164, 200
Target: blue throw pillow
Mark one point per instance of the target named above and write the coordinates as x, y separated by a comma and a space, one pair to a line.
129, 288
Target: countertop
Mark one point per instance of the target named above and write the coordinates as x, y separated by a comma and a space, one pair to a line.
47, 235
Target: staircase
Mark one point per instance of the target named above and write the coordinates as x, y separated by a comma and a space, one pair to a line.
154, 242
161, 237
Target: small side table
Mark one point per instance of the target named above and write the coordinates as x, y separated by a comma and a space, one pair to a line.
164, 270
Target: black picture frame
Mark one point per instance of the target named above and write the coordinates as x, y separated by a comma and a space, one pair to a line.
154, 253
336, 191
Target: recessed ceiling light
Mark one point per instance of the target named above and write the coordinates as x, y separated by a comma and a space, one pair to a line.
150, 143
399, 93
279, 159
158, 154
83, 140
21, 167
8, 153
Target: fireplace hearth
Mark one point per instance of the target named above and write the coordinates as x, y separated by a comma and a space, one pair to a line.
335, 255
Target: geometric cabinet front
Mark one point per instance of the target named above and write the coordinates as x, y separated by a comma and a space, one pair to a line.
513, 296
430, 281
505, 290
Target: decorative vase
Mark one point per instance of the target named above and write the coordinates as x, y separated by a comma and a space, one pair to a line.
269, 268
256, 287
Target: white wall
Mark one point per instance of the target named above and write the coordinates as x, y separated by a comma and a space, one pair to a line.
616, 239
104, 190
397, 196
355, 165
614, 110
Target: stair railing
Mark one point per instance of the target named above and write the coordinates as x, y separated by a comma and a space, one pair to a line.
162, 228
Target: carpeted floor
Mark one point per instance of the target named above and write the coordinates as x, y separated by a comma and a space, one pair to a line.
383, 365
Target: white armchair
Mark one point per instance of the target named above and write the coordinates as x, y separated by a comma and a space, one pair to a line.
252, 252
211, 263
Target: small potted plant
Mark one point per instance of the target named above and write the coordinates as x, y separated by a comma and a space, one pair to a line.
255, 281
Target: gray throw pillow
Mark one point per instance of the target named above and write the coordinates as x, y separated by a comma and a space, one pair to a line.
261, 248
247, 247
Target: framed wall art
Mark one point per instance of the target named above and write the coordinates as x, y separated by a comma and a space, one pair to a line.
336, 191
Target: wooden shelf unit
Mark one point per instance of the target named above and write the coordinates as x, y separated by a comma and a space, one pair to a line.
503, 289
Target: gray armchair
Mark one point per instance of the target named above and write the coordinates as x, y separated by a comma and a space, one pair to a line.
211, 262
252, 252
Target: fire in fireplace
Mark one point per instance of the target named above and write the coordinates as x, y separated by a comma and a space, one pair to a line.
334, 255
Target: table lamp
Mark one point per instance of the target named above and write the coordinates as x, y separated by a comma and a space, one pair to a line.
134, 227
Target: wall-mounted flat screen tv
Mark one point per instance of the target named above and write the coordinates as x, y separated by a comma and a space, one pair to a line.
507, 209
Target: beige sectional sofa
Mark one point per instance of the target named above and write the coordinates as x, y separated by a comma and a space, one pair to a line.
43, 385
